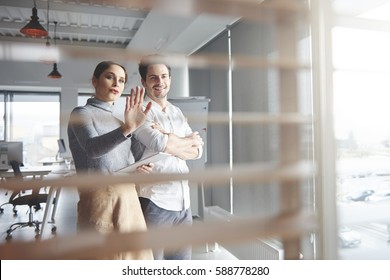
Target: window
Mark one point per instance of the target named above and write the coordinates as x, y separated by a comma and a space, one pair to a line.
34, 119
2, 113
362, 132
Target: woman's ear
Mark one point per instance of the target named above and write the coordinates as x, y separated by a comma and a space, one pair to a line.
94, 82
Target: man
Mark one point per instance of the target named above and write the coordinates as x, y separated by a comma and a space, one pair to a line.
166, 130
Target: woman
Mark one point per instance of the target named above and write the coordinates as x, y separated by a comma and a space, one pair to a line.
100, 142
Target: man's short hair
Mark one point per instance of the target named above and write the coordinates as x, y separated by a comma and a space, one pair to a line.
152, 59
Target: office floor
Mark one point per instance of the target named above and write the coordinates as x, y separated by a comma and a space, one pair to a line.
65, 221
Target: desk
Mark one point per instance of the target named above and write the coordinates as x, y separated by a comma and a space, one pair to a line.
51, 161
34, 171
54, 194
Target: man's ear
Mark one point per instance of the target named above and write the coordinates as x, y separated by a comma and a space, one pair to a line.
143, 83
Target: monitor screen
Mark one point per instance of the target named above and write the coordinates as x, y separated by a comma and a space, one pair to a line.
61, 146
11, 151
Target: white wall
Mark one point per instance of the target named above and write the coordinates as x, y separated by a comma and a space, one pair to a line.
254, 90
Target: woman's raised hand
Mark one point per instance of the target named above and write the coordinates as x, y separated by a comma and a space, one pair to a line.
134, 115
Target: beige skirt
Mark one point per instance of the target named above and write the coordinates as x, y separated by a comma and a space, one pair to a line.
113, 209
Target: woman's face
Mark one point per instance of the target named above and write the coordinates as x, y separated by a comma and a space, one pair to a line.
110, 84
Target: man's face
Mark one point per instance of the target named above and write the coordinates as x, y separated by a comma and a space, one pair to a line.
158, 82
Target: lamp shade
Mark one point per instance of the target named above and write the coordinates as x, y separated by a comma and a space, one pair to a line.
54, 74
34, 28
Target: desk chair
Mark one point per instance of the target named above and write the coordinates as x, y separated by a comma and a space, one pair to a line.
32, 200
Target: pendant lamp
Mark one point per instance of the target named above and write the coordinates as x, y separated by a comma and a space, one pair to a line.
55, 74
51, 54
34, 28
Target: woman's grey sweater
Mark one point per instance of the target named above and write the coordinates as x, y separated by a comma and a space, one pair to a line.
96, 140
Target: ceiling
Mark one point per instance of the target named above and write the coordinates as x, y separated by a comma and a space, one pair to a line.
105, 27
78, 24
116, 24
88, 31
147, 25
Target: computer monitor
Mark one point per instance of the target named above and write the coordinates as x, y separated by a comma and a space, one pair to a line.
9, 151
61, 146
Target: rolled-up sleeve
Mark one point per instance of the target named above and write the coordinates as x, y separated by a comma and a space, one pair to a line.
84, 131
153, 139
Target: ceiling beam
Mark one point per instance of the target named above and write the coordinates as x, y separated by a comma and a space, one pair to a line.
91, 43
63, 30
79, 8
